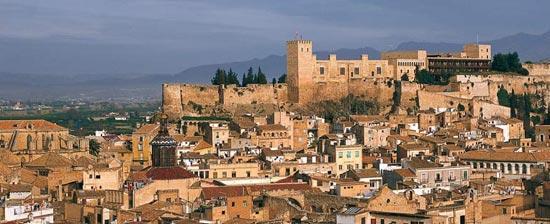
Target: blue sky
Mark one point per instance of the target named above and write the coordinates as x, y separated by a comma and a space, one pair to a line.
167, 36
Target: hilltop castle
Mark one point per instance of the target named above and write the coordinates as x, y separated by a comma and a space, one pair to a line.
311, 80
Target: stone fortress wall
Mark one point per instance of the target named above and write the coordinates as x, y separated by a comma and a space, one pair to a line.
178, 99
537, 69
253, 94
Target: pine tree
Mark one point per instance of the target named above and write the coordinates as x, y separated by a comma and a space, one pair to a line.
219, 77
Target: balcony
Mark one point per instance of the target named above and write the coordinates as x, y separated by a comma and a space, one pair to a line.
438, 180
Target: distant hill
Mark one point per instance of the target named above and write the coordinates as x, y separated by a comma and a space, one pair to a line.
530, 47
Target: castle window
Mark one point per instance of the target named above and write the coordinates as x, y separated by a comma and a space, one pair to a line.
356, 70
342, 71
378, 70
322, 70
372, 73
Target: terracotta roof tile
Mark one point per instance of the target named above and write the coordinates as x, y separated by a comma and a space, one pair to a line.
51, 159
404, 172
30, 124
506, 156
147, 129
169, 173
9, 158
202, 145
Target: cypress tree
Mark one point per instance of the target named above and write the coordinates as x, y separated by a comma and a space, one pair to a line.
260, 77
250, 77
513, 104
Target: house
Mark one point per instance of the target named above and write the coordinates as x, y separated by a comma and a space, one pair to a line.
370, 176
432, 174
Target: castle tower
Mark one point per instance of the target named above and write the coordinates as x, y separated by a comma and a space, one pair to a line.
300, 64
482, 51
163, 146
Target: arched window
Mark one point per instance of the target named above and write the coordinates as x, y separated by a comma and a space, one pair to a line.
524, 169
509, 167
517, 168
502, 167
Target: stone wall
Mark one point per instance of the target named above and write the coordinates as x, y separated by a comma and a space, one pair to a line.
408, 93
180, 99
427, 100
537, 68
177, 97
254, 94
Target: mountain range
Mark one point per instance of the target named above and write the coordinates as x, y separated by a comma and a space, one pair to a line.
530, 47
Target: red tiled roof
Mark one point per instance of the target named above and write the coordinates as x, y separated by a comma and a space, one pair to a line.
404, 172
147, 129
169, 173
506, 156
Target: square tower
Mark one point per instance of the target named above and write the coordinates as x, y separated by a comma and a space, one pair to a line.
300, 64
481, 51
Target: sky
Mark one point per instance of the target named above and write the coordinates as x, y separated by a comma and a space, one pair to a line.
167, 36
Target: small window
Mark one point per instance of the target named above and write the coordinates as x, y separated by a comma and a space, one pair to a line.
342, 71
378, 70
233, 174
232, 204
97, 176
356, 71
322, 70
